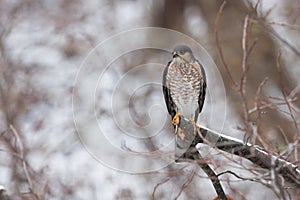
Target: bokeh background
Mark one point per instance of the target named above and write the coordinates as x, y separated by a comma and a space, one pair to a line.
46, 45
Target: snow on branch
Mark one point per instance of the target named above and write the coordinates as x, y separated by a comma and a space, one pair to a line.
254, 153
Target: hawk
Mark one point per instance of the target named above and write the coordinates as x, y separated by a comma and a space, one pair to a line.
184, 87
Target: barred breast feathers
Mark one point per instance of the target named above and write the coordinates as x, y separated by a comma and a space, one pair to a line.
185, 82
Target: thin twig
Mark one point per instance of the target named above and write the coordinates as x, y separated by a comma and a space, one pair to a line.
219, 46
243, 86
282, 86
256, 101
237, 176
278, 36
166, 179
290, 26
269, 105
186, 183
244, 71
21, 148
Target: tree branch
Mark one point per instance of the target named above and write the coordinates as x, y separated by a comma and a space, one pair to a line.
254, 153
211, 175
186, 146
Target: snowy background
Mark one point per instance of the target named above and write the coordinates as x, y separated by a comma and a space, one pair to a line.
81, 86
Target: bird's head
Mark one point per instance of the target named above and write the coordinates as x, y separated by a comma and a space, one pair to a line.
183, 52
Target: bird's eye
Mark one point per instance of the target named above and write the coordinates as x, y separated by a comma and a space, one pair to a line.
181, 52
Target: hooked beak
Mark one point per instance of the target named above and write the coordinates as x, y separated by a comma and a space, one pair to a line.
175, 54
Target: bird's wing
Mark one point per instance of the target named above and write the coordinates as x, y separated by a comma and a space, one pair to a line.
202, 92
169, 102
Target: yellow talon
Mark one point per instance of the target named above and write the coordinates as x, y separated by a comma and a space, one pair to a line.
176, 119
195, 126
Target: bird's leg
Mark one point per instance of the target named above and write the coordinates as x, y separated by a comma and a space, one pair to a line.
176, 119
195, 125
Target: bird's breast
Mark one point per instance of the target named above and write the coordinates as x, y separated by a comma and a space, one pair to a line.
184, 84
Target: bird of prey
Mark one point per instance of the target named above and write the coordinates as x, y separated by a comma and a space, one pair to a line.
184, 87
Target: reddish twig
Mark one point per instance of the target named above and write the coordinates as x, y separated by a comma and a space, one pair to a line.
282, 87
219, 46
22, 157
186, 183
166, 179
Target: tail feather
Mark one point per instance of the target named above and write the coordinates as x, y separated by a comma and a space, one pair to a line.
185, 144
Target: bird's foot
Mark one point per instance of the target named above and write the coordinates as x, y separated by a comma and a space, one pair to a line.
196, 126
176, 119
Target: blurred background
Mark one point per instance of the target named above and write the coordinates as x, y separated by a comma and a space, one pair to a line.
76, 95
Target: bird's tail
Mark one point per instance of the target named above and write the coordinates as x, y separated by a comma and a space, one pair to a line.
183, 142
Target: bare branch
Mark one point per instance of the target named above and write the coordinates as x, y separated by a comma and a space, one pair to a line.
186, 183
253, 153
158, 184
212, 176
244, 69
256, 102
276, 35
219, 46
282, 86
22, 157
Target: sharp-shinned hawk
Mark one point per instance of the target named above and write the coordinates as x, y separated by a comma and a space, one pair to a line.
184, 86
